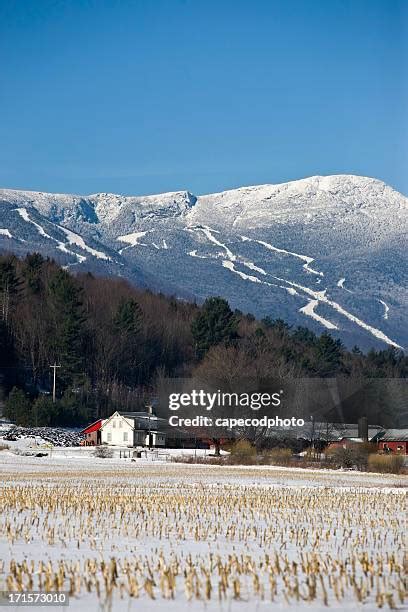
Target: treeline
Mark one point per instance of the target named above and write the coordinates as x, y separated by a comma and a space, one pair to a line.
114, 343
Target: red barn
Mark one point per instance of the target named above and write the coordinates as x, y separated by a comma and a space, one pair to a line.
393, 441
92, 433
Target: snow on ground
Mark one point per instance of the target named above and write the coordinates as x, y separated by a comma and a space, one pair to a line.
340, 284
386, 309
71, 459
24, 215
230, 266
132, 240
200, 537
309, 310
270, 247
309, 212
194, 254
77, 240
232, 259
321, 297
209, 234
61, 246
6, 233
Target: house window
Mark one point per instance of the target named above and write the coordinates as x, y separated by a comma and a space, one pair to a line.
113, 423
109, 437
120, 424
125, 436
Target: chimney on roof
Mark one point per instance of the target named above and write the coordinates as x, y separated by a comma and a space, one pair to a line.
363, 428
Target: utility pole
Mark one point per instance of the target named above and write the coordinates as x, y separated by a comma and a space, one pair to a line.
54, 367
149, 410
313, 431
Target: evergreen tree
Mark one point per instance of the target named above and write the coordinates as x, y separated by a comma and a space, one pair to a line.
304, 335
259, 333
278, 325
329, 354
128, 325
215, 324
8, 286
68, 337
45, 413
128, 319
32, 271
72, 410
7, 356
18, 408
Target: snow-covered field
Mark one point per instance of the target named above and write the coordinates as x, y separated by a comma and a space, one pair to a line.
155, 535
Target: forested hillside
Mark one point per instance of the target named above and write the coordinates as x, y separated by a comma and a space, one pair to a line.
266, 248
114, 342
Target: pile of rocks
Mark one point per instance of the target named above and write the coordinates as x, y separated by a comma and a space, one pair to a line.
57, 436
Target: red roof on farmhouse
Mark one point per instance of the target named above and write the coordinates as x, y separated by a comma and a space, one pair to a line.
93, 427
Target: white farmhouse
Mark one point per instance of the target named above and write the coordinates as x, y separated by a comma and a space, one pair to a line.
130, 429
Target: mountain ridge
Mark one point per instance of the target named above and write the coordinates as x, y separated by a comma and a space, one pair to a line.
316, 177
323, 251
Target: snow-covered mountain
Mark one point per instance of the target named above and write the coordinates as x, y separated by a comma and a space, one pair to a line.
326, 252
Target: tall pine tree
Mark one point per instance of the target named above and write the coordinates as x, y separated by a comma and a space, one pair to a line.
215, 324
128, 319
68, 333
9, 283
329, 356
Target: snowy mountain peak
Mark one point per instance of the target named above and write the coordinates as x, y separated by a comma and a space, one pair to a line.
334, 192
328, 252
345, 182
109, 207
305, 200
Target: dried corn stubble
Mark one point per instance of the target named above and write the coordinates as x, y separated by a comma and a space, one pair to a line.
144, 538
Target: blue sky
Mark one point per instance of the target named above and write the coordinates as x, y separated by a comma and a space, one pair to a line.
160, 95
